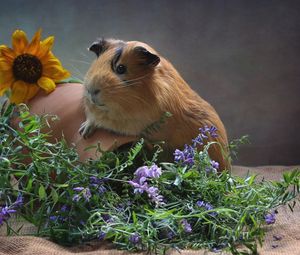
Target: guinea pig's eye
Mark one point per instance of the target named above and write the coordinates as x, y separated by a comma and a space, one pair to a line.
121, 69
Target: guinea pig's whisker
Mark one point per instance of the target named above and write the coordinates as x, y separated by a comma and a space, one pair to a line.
77, 71
136, 98
84, 55
122, 86
138, 78
80, 61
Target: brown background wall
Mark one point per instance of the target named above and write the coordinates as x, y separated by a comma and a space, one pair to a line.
241, 56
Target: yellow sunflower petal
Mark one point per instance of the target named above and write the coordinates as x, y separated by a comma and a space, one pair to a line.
34, 46
7, 53
47, 84
6, 76
4, 87
55, 72
2, 90
4, 65
32, 91
50, 59
19, 92
45, 46
22, 92
19, 41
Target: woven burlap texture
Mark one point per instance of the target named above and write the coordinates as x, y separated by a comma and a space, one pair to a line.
282, 238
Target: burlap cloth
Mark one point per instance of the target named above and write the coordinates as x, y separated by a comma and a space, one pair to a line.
286, 229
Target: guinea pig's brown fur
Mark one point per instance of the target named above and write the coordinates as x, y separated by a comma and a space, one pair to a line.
130, 86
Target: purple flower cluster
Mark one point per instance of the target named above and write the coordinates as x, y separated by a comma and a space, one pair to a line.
186, 156
135, 238
204, 133
213, 168
140, 184
270, 218
206, 206
63, 209
98, 183
5, 212
186, 226
84, 193
101, 235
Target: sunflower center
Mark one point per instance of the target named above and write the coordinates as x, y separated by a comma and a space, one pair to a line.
28, 68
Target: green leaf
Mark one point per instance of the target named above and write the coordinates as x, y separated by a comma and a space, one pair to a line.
42, 192
178, 180
134, 218
63, 185
54, 195
29, 185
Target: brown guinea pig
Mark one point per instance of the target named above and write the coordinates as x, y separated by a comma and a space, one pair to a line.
130, 86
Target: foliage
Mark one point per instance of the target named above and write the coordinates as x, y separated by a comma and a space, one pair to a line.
129, 198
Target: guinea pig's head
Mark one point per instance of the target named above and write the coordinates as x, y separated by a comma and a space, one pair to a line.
119, 79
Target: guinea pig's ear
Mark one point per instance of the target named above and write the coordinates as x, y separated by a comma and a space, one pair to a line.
145, 57
98, 46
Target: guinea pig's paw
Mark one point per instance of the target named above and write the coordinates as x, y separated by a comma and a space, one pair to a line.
86, 129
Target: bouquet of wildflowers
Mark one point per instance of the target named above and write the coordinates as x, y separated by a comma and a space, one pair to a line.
129, 197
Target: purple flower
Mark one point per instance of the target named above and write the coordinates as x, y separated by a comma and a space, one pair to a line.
139, 187
154, 171
186, 157
18, 202
200, 203
214, 164
153, 193
95, 180
101, 235
86, 194
270, 218
140, 184
5, 212
145, 172
106, 218
213, 168
135, 238
76, 198
204, 132
212, 131
179, 155
78, 189
186, 226
198, 140
64, 208
208, 130
141, 172
207, 207
102, 189
170, 234
53, 218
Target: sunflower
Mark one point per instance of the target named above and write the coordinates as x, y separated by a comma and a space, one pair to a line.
29, 67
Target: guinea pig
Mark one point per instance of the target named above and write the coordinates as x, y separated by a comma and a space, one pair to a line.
130, 86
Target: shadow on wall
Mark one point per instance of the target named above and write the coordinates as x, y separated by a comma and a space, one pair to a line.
241, 56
